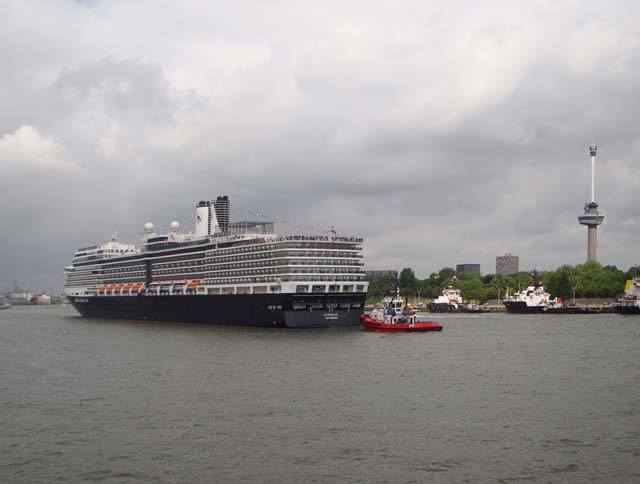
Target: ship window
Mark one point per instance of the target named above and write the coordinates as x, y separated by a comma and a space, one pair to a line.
302, 288
317, 289
347, 288
360, 288
259, 289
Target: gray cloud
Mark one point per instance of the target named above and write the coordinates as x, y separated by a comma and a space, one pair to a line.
441, 133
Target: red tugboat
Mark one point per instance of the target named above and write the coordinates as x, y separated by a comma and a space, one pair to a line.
394, 319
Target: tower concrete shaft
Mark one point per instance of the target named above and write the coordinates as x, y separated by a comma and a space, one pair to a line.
591, 218
592, 243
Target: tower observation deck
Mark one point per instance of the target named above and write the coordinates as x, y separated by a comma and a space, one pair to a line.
591, 216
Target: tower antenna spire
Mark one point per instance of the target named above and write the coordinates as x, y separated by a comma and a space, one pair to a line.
592, 150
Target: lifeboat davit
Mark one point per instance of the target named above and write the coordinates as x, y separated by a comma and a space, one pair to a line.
398, 325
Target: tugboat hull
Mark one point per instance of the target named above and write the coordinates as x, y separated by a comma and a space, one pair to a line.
370, 324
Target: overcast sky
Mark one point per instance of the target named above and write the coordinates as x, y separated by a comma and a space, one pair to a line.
441, 132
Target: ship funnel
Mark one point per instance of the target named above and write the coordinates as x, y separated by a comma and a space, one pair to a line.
221, 205
212, 217
203, 219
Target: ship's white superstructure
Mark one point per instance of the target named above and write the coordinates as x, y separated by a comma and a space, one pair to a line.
82, 275
533, 295
450, 295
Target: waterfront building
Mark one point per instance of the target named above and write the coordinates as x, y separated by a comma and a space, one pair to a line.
467, 268
507, 264
20, 297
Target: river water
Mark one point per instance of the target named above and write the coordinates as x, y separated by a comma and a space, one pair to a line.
493, 398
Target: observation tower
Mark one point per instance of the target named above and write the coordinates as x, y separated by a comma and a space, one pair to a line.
591, 216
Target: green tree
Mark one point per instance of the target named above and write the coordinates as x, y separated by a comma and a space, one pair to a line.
594, 280
559, 283
589, 280
408, 282
472, 289
633, 272
430, 287
445, 275
489, 279
380, 286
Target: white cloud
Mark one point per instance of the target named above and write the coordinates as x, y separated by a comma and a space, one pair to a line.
28, 147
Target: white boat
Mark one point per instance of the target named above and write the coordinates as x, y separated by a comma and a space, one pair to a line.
533, 299
449, 301
630, 303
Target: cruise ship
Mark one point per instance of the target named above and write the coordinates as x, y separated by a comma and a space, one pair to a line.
238, 273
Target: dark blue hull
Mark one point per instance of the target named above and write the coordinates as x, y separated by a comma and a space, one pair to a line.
624, 307
441, 308
521, 307
262, 310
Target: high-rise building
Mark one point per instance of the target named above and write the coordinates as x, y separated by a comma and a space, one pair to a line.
507, 264
467, 268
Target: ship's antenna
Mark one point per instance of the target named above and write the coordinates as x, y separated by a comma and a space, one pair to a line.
397, 289
279, 221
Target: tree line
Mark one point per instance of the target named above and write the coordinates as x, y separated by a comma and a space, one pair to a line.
581, 281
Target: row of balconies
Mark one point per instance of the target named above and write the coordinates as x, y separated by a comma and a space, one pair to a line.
286, 244
178, 274
211, 279
286, 278
281, 261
